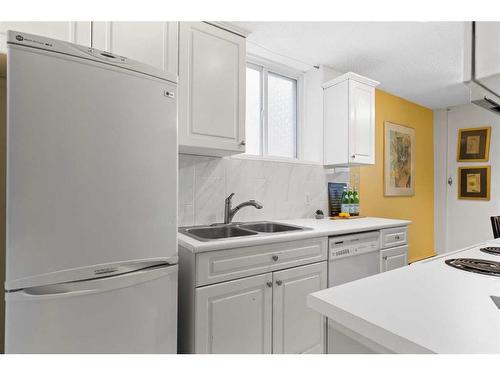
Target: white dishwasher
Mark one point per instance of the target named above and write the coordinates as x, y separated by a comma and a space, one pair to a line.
350, 257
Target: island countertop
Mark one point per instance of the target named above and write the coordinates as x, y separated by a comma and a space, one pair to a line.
317, 228
427, 307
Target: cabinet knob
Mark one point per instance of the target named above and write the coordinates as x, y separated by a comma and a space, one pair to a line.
275, 258
353, 156
279, 282
269, 284
396, 237
384, 257
243, 143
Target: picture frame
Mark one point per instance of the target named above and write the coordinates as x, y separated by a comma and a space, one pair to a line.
474, 182
399, 160
473, 144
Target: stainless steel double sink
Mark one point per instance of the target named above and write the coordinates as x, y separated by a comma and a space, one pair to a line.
235, 230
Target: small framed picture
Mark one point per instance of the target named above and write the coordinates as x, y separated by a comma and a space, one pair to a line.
473, 144
474, 183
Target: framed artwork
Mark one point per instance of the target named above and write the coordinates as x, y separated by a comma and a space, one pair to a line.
399, 160
473, 144
474, 183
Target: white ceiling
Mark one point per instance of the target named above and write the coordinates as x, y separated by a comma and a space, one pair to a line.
419, 61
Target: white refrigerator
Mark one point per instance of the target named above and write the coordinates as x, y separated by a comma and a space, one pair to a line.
91, 201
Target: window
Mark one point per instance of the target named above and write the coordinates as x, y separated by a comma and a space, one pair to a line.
271, 113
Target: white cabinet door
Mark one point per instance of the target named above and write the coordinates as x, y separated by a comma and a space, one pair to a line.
234, 316
296, 327
211, 90
349, 121
393, 258
153, 43
361, 123
74, 32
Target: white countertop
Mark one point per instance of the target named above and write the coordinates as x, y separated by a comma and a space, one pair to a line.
319, 228
425, 307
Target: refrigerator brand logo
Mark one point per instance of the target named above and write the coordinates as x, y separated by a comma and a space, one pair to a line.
100, 271
19, 37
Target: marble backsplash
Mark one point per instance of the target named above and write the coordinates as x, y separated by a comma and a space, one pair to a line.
281, 187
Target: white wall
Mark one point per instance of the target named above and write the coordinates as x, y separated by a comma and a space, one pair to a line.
440, 177
463, 222
204, 183
311, 133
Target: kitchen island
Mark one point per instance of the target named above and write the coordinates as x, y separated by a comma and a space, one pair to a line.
427, 307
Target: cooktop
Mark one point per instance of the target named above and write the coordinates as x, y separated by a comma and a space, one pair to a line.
491, 250
482, 266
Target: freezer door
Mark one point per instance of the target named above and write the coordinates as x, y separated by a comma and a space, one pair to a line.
130, 313
92, 164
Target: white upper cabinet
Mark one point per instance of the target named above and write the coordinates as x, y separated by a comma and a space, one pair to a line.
153, 43
349, 121
74, 32
211, 90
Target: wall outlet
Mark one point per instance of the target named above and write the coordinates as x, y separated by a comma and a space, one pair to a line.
307, 199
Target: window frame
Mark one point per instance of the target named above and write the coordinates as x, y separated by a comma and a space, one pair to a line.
265, 67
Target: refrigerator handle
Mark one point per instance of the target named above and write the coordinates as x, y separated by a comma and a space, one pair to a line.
99, 285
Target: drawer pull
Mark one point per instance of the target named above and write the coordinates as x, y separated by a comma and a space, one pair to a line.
269, 284
279, 282
396, 237
275, 258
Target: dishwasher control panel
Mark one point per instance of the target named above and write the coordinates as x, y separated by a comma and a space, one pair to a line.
353, 244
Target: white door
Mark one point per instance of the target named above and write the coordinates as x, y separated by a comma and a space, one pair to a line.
130, 313
211, 90
235, 316
153, 43
297, 328
92, 165
468, 221
361, 123
74, 32
393, 258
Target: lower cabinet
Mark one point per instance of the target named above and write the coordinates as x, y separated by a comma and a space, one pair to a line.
393, 258
262, 314
297, 328
235, 316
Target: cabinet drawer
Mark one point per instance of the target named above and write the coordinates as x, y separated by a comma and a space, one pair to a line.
216, 266
393, 237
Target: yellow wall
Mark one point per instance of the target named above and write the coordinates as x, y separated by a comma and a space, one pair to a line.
420, 207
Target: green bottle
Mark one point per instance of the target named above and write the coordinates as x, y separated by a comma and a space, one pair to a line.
345, 201
356, 202
351, 202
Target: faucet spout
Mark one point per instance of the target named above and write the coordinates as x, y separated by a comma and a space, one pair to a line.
229, 212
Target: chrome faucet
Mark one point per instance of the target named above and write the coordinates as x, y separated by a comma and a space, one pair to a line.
229, 212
